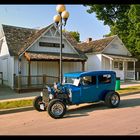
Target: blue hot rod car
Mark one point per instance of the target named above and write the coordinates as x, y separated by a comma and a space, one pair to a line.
78, 88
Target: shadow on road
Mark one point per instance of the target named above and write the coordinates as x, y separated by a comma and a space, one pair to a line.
84, 110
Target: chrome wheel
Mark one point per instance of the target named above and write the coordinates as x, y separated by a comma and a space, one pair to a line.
114, 99
57, 109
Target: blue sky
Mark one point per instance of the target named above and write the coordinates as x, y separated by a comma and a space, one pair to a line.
34, 16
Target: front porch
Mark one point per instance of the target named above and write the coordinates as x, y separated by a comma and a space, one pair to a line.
35, 70
122, 65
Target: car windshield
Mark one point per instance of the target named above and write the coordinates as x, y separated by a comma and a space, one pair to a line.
71, 80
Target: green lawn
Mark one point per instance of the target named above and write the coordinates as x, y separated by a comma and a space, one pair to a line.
29, 102
129, 89
16, 104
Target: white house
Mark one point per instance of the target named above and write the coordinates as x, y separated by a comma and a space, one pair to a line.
109, 54
26, 55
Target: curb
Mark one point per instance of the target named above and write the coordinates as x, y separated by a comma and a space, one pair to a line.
29, 108
130, 93
15, 110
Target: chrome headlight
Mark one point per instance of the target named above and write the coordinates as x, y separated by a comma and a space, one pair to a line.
41, 94
51, 96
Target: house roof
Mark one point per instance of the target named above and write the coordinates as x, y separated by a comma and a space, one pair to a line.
74, 43
49, 56
119, 57
94, 46
19, 39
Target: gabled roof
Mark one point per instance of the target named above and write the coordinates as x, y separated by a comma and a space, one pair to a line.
19, 38
74, 43
95, 46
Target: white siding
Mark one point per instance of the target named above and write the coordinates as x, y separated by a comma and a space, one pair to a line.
105, 63
4, 48
116, 47
52, 36
93, 62
49, 68
67, 48
7, 67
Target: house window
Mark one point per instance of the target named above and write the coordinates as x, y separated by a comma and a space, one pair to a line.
130, 66
118, 65
46, 44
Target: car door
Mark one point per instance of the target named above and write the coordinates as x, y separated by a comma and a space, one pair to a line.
104, 84
88, 91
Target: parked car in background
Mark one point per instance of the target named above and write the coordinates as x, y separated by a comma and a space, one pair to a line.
78, 88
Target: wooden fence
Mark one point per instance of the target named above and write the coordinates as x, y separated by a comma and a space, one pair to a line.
34, 82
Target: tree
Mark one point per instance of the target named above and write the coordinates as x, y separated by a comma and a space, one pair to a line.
75, 34
123, 20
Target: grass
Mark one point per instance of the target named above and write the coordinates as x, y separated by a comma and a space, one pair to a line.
16, 104
129, 89
29, 102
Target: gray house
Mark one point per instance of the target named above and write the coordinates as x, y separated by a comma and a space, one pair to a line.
30, 57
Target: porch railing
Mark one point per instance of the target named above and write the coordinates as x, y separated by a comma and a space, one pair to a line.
130, 75
34, 81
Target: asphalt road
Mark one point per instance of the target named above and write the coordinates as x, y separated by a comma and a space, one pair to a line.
91, 119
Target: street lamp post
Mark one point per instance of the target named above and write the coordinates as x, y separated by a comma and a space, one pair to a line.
62, 14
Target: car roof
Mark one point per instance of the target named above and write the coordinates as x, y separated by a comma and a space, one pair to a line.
87, 73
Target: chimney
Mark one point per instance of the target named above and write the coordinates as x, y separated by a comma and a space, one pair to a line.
88, 40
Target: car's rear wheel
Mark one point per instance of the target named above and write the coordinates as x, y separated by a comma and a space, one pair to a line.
112, 99
56, 108
38, 104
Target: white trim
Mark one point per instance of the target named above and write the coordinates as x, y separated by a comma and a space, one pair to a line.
107, 56
68, 42
51, 33
109, 42
35, 41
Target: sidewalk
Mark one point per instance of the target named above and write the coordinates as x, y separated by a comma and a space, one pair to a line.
7, 94
129, 84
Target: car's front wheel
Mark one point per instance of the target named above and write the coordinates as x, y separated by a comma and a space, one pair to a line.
112, 99
56, 108
38, 104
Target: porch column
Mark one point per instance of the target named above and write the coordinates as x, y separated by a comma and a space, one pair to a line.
110, 64
19, 65
83, 65
124, 69
19, 84
134, 71
29, 73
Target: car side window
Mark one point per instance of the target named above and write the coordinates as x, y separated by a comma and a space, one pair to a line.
104, 79
89, 80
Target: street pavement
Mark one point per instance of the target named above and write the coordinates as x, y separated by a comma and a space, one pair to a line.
7, 94
91, 120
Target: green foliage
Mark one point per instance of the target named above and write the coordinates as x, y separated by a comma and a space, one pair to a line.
74, 34
123, 20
